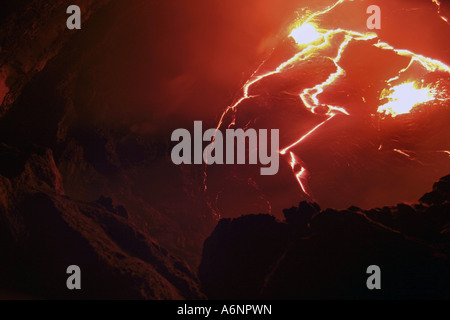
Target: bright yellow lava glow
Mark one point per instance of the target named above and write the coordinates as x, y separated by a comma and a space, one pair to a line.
312, 39
305, 34
404, 97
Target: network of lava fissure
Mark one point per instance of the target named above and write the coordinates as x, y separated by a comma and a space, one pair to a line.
311, 38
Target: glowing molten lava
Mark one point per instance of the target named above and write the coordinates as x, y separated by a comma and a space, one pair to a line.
404, 97
305, 34
438, 4
311, 39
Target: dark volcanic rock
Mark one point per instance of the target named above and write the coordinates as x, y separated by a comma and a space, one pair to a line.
56, 94
322, 255
33, 32
302, 214
440, 193
235, 264
42, 232
108, 204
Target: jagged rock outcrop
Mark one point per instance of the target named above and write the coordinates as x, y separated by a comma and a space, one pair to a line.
56, 94
43, 231
42, 29
322, 254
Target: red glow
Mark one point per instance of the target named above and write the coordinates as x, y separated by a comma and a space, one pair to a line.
400, 96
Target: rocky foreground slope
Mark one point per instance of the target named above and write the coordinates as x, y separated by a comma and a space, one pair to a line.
320, 254
43, 231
